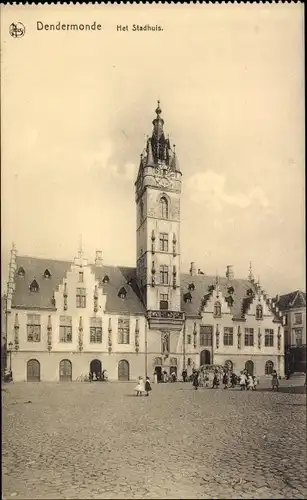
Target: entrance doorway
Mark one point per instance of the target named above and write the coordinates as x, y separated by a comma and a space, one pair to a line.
65, 370
95, 366
158, 371
33, 371
123, 370
249, 367
205, 357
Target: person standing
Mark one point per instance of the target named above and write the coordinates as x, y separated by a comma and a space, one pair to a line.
184, 375
275, 380
225, 380
233, 380
216, 381
147, 386
243, 380
195, 380
250, 383
140, 388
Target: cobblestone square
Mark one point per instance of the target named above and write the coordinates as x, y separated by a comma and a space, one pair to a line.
78, 440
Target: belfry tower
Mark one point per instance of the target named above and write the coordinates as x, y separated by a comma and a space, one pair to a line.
158, 192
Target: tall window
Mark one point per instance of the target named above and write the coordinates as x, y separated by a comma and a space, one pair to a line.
81, 297
217, 312
65, 329
123, 330
95, 330
228, 335
269, 366
189, 339
163, 208
298, 332
33, 327
163, 242
259, 312
249, 337
205, 335
163, 300
164, 275
298, 318
269, 337
81, 277
141, 210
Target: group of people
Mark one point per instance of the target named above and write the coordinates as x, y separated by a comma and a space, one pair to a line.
100, 377
143, 388
204, 378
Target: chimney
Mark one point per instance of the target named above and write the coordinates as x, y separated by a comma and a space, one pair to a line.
230, 273
98, 258
193, 269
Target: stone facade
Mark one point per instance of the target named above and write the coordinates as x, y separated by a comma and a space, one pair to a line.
66, 319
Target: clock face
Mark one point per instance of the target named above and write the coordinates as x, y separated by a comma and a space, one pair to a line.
164, 175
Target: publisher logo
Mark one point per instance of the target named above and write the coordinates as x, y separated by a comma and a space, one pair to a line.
17, 30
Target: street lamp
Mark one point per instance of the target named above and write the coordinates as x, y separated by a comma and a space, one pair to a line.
10, 346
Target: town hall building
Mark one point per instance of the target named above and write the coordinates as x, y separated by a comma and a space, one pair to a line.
65, 319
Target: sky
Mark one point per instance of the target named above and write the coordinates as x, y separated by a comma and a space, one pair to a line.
77, 106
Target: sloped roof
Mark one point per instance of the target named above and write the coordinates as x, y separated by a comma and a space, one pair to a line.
200, 294
292, 300
35, 268
118, 277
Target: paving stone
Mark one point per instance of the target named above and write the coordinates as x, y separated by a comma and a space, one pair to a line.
92, 441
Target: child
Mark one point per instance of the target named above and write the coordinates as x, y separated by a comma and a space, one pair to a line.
243, 380
255, 382
250, 383
147, 386
140, 388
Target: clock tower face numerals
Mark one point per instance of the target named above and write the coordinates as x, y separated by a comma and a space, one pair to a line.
164, 175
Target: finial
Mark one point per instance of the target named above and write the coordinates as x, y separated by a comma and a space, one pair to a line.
158, 110
250, 274
80, 253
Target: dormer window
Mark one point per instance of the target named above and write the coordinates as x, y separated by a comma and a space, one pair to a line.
106, 279
34, 286
122, 293
21, 272
187, 297
250, 292
47, 274
259, 312
217, 309
210, 288
81, 277
191, 287
230, 290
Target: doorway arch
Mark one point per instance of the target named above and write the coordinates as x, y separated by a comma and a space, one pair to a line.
33, 371
123, 370
249, 367
205, 357
65, 370
95, 366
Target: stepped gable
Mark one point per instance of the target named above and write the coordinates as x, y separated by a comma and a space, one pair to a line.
201, 293
42, 299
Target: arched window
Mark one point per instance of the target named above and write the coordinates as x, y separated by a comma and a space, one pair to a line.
163, 208
33, 371
65, 370
269, 367
217, 309
259, 312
